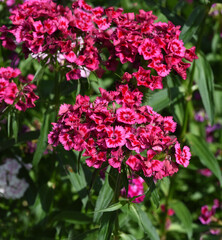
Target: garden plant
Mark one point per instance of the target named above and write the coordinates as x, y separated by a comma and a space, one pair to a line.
110, 120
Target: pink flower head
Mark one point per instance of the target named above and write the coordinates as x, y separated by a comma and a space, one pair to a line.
149, 49
169, 124
50, 26
63, 24
134, 162
116, 126
176, 47
190, 54
116, 137
74, 74
182, 157
135, 188
71, 57
205, 172
38, 26
206, 214
126, 115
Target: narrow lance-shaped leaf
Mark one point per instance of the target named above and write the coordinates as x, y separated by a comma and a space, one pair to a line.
184, 215
124, 236
144, 221
68, 160
43, 139
105, 197
112, 207
15, 126
205, 81
152, 191
39, 74
200, 148
74, 217
159, 100
89, 235
46, 196
193, 23
107, 225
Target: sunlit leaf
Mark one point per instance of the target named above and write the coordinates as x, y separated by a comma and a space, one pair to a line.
112, 207
205, 80
43, 140
124, 236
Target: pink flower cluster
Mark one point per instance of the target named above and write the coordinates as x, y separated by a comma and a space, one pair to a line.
84, 34
115, 129
135, 188
21, 94
206, 213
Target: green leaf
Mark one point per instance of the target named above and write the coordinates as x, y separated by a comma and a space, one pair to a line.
159, 100
89, 235
46, 197
105, 197
144, 221
39, 74
107, 225
73, 217
9, 124
152, 191
43, 140
184, 215
77, 178
124, 236
112, 207
205, 81
193, 23
15, 126
201, 149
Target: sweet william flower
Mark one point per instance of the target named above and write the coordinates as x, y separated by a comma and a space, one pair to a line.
206, 214
182, 156
47, 28
116, 130
116, 136
74, 74
126, 115
21, 94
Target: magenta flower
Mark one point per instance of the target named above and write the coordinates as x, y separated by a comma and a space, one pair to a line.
149, 49
206, 214
182, 157
116, 130
126, 115
116, 137
82, 33
21, 94
135, 188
